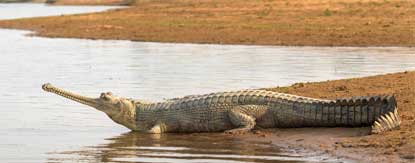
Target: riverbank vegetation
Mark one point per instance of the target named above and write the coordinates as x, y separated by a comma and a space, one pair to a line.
264, 22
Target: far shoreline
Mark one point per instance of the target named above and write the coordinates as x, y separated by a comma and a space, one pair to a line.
335, 23
31, 33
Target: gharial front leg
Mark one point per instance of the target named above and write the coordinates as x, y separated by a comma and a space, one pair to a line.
241, 120
158, 128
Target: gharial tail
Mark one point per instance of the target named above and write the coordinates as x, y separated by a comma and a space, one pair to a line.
388, 121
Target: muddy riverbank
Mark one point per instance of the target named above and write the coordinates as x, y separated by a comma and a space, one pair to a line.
394, 146
312, 23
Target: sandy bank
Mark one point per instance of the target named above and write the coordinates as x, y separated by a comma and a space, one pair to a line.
394, 146
298, 22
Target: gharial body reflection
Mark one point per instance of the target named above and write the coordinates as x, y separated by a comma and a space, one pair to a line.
207, 147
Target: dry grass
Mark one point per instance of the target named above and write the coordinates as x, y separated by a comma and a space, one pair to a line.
264, 22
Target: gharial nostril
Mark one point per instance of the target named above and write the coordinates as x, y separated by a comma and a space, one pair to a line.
46, 86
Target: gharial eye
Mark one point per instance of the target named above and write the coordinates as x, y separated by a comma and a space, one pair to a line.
118, 103
104, 96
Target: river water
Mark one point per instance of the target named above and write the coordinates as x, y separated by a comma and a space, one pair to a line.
40, 127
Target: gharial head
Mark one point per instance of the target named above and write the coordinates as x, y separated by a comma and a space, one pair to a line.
121, 110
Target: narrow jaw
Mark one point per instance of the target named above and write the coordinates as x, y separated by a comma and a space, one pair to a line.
120, 110
75, 97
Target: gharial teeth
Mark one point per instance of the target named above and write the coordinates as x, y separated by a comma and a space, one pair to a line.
392, 116
386, 122
376, 127
388, 117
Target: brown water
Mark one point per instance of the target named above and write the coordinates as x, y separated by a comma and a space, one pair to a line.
135, 147
37, 127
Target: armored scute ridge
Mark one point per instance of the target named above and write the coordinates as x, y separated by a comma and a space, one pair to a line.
241, 111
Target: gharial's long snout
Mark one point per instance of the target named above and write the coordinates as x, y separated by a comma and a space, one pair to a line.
48, 87
75, 97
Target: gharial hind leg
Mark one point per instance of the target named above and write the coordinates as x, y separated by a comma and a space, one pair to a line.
243, 122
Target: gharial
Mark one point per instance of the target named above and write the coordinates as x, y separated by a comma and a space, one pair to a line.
241, 111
